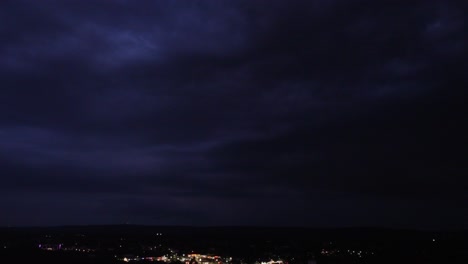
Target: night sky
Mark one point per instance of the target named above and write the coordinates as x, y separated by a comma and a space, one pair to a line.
281, 113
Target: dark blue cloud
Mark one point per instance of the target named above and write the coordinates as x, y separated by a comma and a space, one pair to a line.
217, 112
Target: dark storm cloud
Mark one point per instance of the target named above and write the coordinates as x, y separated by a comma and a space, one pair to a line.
231, 112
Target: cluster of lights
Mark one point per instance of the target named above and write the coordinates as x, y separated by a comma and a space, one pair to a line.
358, 253
86, 250
272, 262
50, 247
203, 259
62, 248
137, 258
199, 256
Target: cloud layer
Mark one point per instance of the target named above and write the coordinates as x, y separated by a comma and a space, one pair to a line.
317, 113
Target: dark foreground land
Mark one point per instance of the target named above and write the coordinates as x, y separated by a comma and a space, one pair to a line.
226, 245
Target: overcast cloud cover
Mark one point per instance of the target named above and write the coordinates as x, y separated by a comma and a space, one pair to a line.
315, 113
